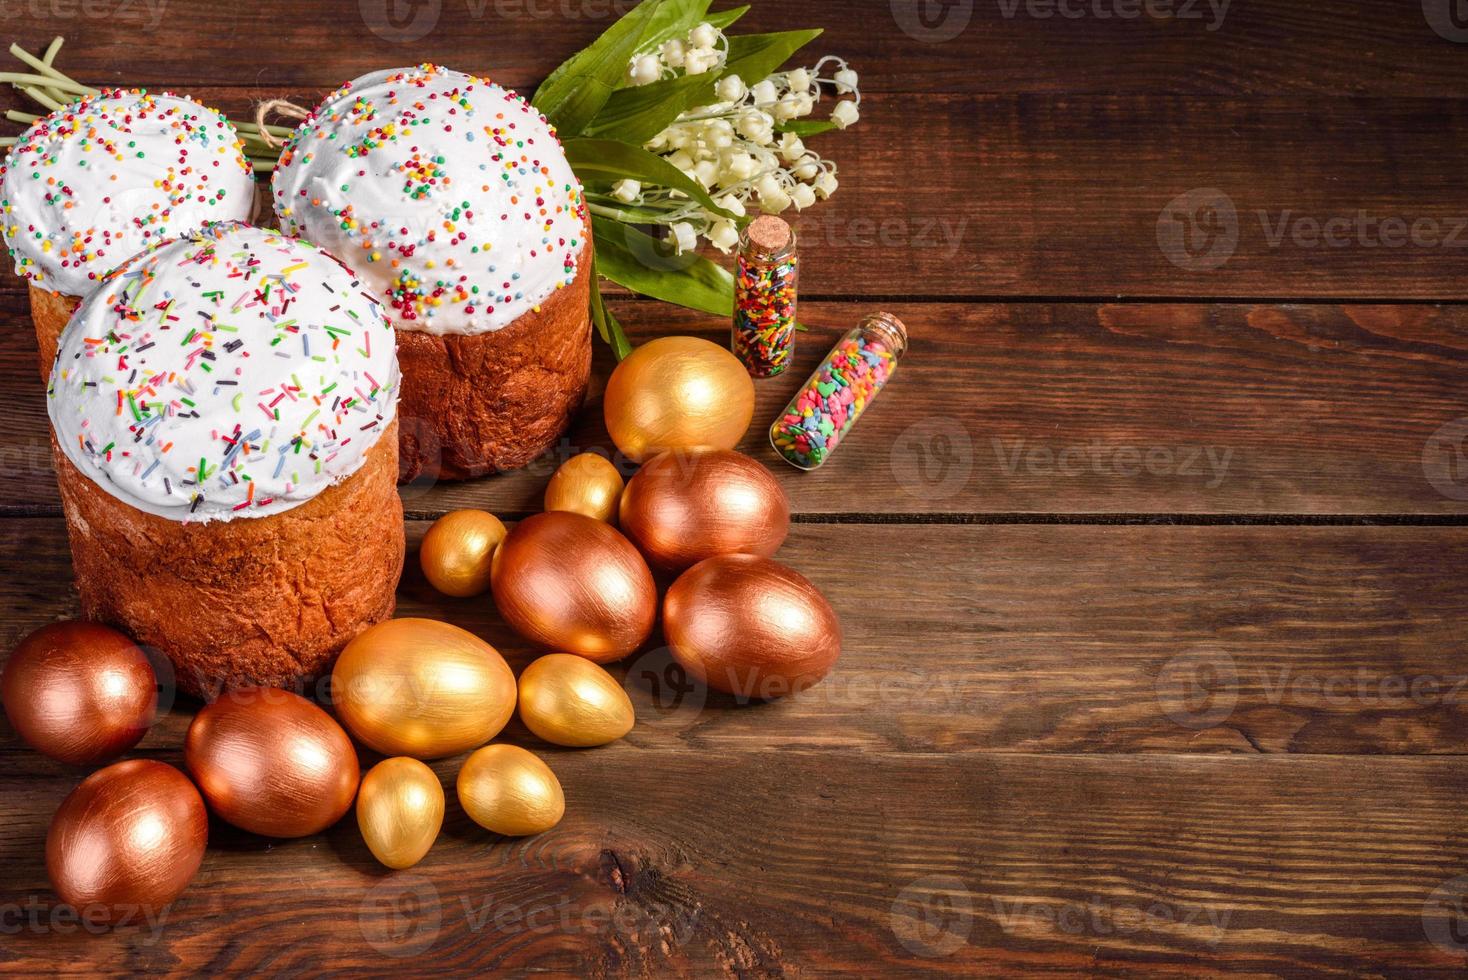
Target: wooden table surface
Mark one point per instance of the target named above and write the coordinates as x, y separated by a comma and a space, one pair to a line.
1151, 561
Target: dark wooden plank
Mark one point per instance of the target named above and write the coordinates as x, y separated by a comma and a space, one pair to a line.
1333, 198
792, 863
1043, 409
1215, 47
1040, 638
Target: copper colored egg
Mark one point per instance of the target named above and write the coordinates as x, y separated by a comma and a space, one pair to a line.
751, 627
510, 791
681, 508
79, 692
271, 762
678, 393
421, 688
572, 583
587, 484
456, 551
126, 841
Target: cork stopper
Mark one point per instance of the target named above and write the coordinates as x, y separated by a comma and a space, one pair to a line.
769, 235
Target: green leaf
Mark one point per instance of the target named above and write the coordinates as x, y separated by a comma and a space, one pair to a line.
674, 19
594, 159
576, 91
639, 262
805, 127
606, 324
725, 19
638, 113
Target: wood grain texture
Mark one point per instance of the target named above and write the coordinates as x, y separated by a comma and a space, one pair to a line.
1212, 47
1043, 409
1038, 639
671, 865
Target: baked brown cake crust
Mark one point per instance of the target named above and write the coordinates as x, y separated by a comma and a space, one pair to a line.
264, 600
471, 405
50, 312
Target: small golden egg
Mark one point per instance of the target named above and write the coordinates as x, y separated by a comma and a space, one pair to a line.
508, 790
586, 484
400, 811
422, 688
457, 550
568, 700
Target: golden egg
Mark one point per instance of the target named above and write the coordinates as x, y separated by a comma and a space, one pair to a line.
457, 549
574, 584
586, 484
505, 789
400, 811
422, 688
681, 508
568, 700
678, 393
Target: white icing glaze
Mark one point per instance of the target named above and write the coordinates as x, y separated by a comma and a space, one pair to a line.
253, 355
103, 178
449, 194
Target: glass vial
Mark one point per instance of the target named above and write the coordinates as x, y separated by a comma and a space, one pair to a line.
764, 297
829, 403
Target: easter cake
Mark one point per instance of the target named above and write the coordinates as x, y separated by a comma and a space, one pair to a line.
102, 178
223, 412
453, 200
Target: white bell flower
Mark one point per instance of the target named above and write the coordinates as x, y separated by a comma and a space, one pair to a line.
731, 204
673, 53
723, 236
626, 191
845, 114
682, 160
739, 166
764, 93
756, 126
706, 172
826, 184
802, 196
684, 237
772, 196
791, 148
807, 169
731, 88
645, 70
846, 81
700, 60
798, 80
703, 36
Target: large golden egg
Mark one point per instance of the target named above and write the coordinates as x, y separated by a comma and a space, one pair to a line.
271, 762
586, 484
421, 688
568, 700
678, 393
751, 627
572, 583
126, 841
508, 790
400, 811
456, 552
681, 508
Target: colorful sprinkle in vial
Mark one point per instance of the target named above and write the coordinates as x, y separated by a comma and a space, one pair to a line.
764, 297
829, 403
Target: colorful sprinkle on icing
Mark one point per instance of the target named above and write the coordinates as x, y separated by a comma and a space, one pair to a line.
232, 373
450, 195
103, 178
